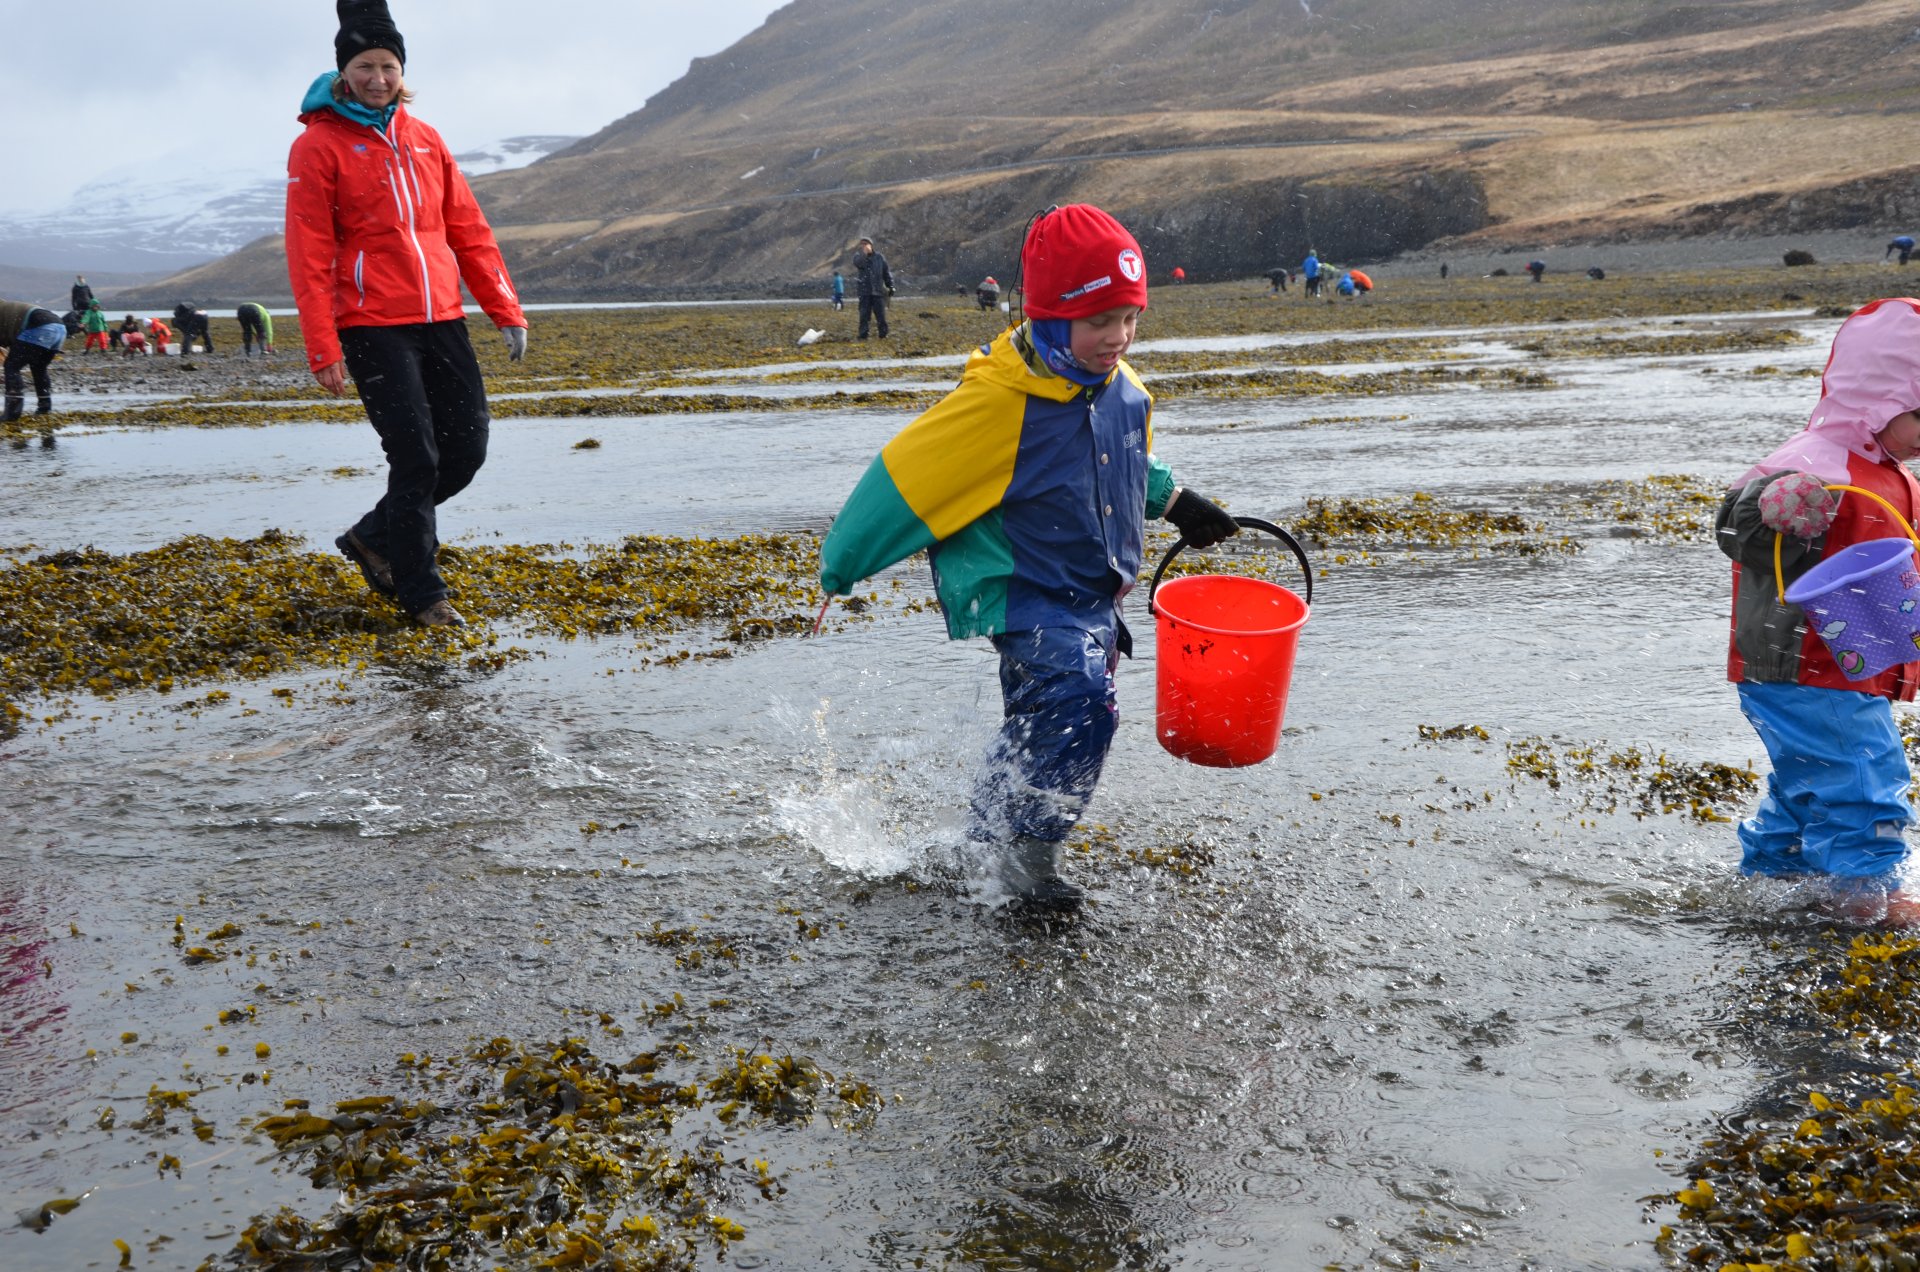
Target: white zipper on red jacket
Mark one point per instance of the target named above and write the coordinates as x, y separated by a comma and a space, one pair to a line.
412, 200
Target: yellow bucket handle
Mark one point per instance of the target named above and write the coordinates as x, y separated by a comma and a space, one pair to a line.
1779, 575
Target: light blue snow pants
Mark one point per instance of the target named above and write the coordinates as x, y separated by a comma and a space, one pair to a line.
1836, 801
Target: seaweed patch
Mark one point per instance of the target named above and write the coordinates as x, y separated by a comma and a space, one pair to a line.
201, 609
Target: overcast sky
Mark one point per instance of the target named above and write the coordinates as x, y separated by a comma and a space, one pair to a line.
214, 84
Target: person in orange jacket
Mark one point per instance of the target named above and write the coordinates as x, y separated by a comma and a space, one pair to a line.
381, 232
161, 334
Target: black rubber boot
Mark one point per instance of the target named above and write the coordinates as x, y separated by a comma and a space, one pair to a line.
1032, 875
45, 407
16, 406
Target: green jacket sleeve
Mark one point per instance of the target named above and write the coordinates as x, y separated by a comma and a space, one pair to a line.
875, 529
1160, 488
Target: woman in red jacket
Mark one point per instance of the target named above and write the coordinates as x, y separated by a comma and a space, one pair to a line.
381, 231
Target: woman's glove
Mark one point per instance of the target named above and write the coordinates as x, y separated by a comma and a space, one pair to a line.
1202, 522
516, 338
1798, 504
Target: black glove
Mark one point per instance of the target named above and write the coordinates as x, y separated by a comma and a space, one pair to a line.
1202, 522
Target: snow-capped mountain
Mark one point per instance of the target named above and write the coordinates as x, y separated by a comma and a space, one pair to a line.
156, 217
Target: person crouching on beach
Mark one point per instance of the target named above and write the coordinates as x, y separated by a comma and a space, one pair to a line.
1836, 805
1030, 485
31, 338
381, 231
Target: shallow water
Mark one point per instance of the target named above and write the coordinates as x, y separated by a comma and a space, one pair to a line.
1410, 1007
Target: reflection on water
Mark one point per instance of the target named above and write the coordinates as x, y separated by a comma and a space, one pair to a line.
31, 1006
1399, 1007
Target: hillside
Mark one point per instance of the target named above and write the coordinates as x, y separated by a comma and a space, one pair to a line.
1229, 133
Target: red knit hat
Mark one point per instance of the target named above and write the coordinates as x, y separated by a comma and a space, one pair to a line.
1077, 262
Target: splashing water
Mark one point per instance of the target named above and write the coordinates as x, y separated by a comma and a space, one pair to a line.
904, 817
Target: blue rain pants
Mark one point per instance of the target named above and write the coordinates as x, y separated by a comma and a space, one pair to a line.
1836, 801
1056, 685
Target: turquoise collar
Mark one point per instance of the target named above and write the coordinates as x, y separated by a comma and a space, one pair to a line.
320, 97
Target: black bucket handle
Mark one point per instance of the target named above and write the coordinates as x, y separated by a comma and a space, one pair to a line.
1245, 523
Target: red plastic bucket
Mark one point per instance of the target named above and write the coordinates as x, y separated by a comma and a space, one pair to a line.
1224, 649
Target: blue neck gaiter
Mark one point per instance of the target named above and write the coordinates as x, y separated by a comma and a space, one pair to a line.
1053, 341
320, 96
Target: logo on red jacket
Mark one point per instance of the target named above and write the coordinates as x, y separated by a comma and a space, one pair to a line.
1130, 265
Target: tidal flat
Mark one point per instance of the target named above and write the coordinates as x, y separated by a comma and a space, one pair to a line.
636, 928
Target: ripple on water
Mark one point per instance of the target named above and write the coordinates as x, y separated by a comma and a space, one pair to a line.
1541, 1169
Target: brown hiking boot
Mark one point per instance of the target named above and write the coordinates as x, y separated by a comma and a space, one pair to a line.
440, 614
374, 568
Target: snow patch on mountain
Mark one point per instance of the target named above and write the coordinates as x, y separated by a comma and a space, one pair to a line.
513, 152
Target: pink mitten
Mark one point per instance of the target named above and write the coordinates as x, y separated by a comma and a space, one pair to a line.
1798, 504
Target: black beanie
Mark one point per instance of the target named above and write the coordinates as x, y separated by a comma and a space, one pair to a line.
366, 24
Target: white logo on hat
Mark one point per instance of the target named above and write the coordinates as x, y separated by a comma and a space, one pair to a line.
1130, 265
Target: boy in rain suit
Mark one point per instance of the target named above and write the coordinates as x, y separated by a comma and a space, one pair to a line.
1030, 485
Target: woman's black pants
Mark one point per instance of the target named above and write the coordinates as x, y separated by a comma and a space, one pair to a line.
421, 386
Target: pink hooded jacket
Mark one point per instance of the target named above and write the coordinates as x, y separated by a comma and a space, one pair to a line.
1872, 375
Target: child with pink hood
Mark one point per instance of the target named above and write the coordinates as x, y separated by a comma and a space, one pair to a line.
1836, 802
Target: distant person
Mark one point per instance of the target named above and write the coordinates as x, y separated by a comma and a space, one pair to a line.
255, 324
161, 335
839, 290
988, 292
82, 294
396, 325
1537, 269
1443, 271
1276, 280
95, 322
1347, 285
1179, 275
1035, 537
873, 286
1902, 245
1836, 806
132, 339
1310, 274
31, 336
1596, 273
193, 324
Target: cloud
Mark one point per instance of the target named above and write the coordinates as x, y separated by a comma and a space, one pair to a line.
217, 84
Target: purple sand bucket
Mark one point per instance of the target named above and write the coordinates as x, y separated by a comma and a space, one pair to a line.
1864, 601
